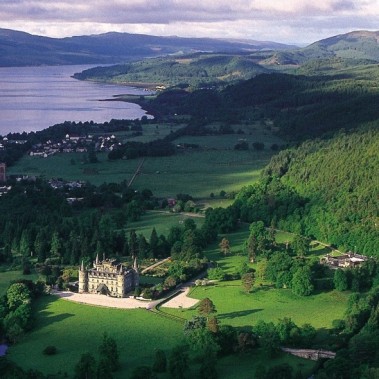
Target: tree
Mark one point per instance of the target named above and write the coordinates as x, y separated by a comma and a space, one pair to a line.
248, 281
55, 247
206, 307
153, 242
340, 280
208, 365
224, 246
103, 371
213, 325
300, 245
178, 362
108, 352
160, 361
301, 283
259, 240
86, 367
17, 294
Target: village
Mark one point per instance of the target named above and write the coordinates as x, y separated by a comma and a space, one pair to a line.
75, 144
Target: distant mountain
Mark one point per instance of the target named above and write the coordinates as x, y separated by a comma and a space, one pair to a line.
23, 49
355, 47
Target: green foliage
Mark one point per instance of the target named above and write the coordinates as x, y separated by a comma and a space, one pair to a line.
17, 295
216, 273
86, 367
340, 280
197, 70
301, 283
178, 364
109, 353
160, 361
248, 281
206, 307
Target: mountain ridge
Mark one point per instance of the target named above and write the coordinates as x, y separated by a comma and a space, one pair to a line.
23, 49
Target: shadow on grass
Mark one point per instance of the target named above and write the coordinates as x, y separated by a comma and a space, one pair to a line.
46, 316
231, 315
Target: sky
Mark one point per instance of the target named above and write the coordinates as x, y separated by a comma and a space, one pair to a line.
293, 21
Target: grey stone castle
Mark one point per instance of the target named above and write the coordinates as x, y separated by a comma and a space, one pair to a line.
108, 277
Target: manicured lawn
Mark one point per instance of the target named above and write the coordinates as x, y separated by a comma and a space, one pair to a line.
75, 329
236, 308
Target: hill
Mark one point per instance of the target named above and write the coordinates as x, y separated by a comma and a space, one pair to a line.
352, 48
193, 70
325, 189
23, 49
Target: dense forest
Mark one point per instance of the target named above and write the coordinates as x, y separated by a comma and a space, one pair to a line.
325, 189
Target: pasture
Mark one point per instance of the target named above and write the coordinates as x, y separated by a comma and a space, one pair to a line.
162, 221
197, 173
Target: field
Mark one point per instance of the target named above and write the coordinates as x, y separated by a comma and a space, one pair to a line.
211, 168
162, 221
236, 308
75, 329
197, 173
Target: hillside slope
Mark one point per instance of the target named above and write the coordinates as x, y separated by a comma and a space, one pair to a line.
339, 182
351, 48
23, 49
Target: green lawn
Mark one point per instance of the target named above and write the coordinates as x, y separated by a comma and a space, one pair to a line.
75, 329
197, 173
162, 221
7, 276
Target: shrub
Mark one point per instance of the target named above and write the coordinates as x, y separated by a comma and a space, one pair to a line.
216, 273
50, 350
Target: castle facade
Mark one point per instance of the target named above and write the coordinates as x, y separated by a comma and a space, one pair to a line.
108, 277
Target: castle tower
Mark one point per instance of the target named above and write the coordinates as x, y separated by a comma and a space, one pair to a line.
83, 279
136, 273
120, 283
3, 177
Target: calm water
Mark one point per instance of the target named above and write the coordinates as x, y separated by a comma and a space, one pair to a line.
33, 98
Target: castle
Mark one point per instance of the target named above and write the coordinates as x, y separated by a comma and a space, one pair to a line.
108, 277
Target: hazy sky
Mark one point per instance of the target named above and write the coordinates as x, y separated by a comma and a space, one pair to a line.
292, 21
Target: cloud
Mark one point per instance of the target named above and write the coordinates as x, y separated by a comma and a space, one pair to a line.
237, 18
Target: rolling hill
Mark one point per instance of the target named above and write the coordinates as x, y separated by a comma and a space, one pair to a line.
23, 49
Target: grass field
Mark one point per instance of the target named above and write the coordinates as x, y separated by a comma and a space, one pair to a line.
197, 173
162, 221
235, 307
75, 329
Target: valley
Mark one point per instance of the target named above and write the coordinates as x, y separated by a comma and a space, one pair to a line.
250, 160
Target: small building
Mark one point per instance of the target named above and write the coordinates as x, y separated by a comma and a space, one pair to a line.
108, 277
347, 260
